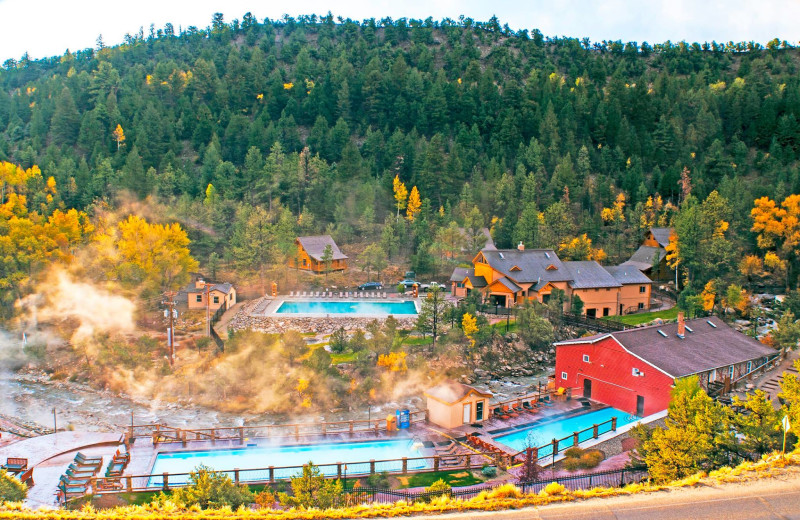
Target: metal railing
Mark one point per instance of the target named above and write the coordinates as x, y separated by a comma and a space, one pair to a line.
272, 474
161, 433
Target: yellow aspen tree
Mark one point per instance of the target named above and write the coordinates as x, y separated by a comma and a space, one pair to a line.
119, 135
469, 324
414, 204
400, 193
709, 296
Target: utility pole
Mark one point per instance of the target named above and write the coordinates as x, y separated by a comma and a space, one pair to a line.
170, 313
208, 310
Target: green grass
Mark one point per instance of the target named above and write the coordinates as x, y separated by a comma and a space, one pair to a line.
645, 317
344, 357
454, 478
418, 340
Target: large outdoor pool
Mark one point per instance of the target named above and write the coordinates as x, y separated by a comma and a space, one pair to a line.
354, 308
356, 454
540, 435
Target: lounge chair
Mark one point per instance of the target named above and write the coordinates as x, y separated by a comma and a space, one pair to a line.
71, 482
121, 456
291, 293
74, 476
66, 491
115, 469
15, 465
340, 294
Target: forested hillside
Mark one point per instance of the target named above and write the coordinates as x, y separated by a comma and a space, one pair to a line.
251, 132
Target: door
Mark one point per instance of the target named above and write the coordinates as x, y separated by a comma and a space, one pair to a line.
467, 413
479, 411
591, 313
640, 405
587, 388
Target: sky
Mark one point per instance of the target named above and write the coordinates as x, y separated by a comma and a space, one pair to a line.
44, 28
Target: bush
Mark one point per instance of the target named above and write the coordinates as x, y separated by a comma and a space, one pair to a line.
265, 499
11, 489
202, 343
554, 488
439, 487
573, 452
378, 480
489, 471
211, 489
311, 489
505, 491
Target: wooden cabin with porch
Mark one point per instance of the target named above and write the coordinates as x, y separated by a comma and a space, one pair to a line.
311, 254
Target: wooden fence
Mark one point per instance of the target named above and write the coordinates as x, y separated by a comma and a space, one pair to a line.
161, 433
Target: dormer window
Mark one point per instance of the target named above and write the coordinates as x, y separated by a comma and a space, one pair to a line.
516, 268
551, 267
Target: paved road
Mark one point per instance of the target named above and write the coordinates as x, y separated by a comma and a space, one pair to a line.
769, 498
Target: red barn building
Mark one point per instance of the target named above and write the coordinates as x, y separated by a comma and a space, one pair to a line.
634, 370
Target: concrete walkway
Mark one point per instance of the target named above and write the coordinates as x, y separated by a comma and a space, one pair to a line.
50, 455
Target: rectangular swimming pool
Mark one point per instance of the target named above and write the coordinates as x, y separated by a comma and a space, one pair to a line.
353, 308
281, 456
541, 435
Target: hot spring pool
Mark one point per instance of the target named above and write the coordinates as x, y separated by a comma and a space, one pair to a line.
356, 454
352, 308
541, 435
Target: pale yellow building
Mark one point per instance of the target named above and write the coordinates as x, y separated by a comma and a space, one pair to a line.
451, 404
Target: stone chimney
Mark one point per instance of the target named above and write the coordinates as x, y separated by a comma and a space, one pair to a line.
681, 325
521, 246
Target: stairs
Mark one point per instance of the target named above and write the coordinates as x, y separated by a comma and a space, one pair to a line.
772, 386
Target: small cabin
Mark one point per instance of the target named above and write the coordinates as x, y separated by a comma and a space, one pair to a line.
311, 254
451, 404
216, 295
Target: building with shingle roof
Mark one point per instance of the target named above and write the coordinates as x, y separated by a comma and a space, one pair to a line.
311, 253
508, 277
451, 404
200, 292
651, 257
634, 370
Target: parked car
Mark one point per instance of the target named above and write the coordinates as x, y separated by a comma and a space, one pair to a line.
408, 284
432, 285
371, 286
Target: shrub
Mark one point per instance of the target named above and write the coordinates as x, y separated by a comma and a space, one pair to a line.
202, 343
378, 480
489, 471
505, 491
590, 459
573, 452
440, 487
311, 489
209, 489
11, 489
265, 499
554, 488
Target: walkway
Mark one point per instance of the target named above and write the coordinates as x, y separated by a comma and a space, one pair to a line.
50, 455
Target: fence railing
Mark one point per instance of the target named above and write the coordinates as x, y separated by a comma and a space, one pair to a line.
272, 474
557, 446
161, 433
367, 495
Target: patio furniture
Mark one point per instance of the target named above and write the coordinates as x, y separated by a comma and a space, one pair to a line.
78, 468
291, 293
15, 465
27, 477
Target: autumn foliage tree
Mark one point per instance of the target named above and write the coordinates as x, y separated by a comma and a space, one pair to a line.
778, 228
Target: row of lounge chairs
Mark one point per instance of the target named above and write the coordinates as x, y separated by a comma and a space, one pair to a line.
520, 407
340, 294
75, 481
80, 472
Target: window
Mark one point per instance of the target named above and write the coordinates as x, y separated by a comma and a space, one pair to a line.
591, 313
586, 358
712, 376
749, 366
199, 298
730, 372
606, 311
641, 305
635, 372
642, 289
216, 299
563, 376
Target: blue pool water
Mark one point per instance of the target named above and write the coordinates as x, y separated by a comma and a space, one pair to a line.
540, 435
278, 456
366, 308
